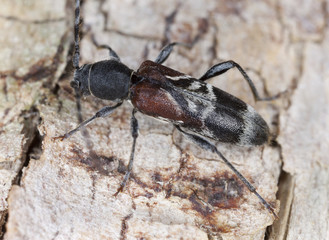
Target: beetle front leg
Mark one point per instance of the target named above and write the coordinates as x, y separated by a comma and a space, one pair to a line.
134, 134
221, 68
112, 53
105, 111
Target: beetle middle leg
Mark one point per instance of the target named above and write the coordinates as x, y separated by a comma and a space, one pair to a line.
203, 143
166, 51
221, 68
134, 134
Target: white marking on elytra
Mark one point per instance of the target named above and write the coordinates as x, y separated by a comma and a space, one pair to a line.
191, 105
208, 94
176, 78
250, 128
194, 86
210, 108
203, 109
211, 93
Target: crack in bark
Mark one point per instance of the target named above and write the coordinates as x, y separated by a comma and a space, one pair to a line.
169, 20
33, 145
124, 227
104, 13
325, 9
24, 21
214, 45
280, 228
300, 65
41, 69
31, 149
3, 221
142, 37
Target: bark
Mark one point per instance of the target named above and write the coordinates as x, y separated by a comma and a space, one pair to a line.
65, 189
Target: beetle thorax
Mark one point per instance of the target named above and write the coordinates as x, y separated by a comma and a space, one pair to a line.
109, 80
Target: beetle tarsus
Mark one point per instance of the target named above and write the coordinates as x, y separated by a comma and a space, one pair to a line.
134, 134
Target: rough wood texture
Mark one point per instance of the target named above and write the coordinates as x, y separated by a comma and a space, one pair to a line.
176, 192
32, 40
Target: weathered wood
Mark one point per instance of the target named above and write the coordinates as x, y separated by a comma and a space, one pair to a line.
177, 191
32, 40
305, 142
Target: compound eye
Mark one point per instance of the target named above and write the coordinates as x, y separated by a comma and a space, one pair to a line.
75, 84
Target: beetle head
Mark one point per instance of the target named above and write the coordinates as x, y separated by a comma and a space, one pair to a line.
80, 80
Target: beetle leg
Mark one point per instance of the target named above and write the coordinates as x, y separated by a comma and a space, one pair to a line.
134, 134
221, 68
105, 111
112, 53
203, 143
166, 50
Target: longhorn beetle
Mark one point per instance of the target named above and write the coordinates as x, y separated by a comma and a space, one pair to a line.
197, 109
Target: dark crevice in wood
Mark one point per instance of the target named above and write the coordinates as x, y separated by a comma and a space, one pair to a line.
124, 227
130, 35
279, 229
33, 145
32, 148
3, 222
170, 19
24, 21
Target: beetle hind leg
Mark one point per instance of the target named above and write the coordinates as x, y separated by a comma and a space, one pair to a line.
221, 68
203, 143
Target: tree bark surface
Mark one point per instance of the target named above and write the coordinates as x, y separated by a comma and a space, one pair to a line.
52, 189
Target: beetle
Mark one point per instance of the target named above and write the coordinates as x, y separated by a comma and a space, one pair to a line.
197, 109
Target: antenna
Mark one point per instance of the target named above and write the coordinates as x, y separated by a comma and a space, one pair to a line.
76, 58
76, 55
